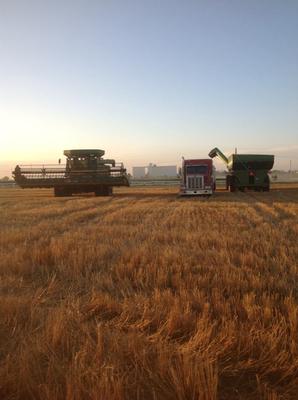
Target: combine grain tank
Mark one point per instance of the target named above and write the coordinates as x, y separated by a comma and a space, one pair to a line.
85, 171
246, 171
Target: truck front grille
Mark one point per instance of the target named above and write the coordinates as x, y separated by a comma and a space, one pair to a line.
195, 182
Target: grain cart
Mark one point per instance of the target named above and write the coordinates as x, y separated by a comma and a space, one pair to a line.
197, 177
85, 171
246, 171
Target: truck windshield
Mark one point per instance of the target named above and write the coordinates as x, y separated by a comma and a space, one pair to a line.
197, 169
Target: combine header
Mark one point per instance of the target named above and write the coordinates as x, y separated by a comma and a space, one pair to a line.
246, 171
85, 171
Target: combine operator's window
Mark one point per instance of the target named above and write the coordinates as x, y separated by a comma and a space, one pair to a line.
197, 169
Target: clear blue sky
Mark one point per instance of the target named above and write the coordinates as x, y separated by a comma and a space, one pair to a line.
148, 80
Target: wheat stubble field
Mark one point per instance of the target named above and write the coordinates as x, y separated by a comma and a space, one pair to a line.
148, 296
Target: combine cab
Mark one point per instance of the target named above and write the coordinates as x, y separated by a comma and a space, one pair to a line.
246, 171
197, 177
85, 171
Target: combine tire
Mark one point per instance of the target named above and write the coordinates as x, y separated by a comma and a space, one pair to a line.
104, 191
61, 192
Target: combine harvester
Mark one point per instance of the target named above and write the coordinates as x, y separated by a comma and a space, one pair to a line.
197, 177
246, 171
85, 171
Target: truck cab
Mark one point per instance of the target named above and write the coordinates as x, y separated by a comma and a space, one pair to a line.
197, 177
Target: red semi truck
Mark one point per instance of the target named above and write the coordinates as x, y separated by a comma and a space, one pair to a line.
197, 177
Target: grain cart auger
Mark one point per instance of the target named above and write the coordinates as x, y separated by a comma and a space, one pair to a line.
246, 171
85, 171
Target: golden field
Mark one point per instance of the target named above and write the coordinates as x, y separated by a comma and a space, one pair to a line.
145, 295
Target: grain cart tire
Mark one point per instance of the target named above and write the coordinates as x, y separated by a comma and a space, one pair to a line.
231, 187
266, 186
234, 184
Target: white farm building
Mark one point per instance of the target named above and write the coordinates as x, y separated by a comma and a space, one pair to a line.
154, 171
138, 172
163, 171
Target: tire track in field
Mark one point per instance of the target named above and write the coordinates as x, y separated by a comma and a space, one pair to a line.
94, 214
286, 213
269, 209
56, 223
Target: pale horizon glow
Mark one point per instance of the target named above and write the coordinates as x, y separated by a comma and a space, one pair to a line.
148, 81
